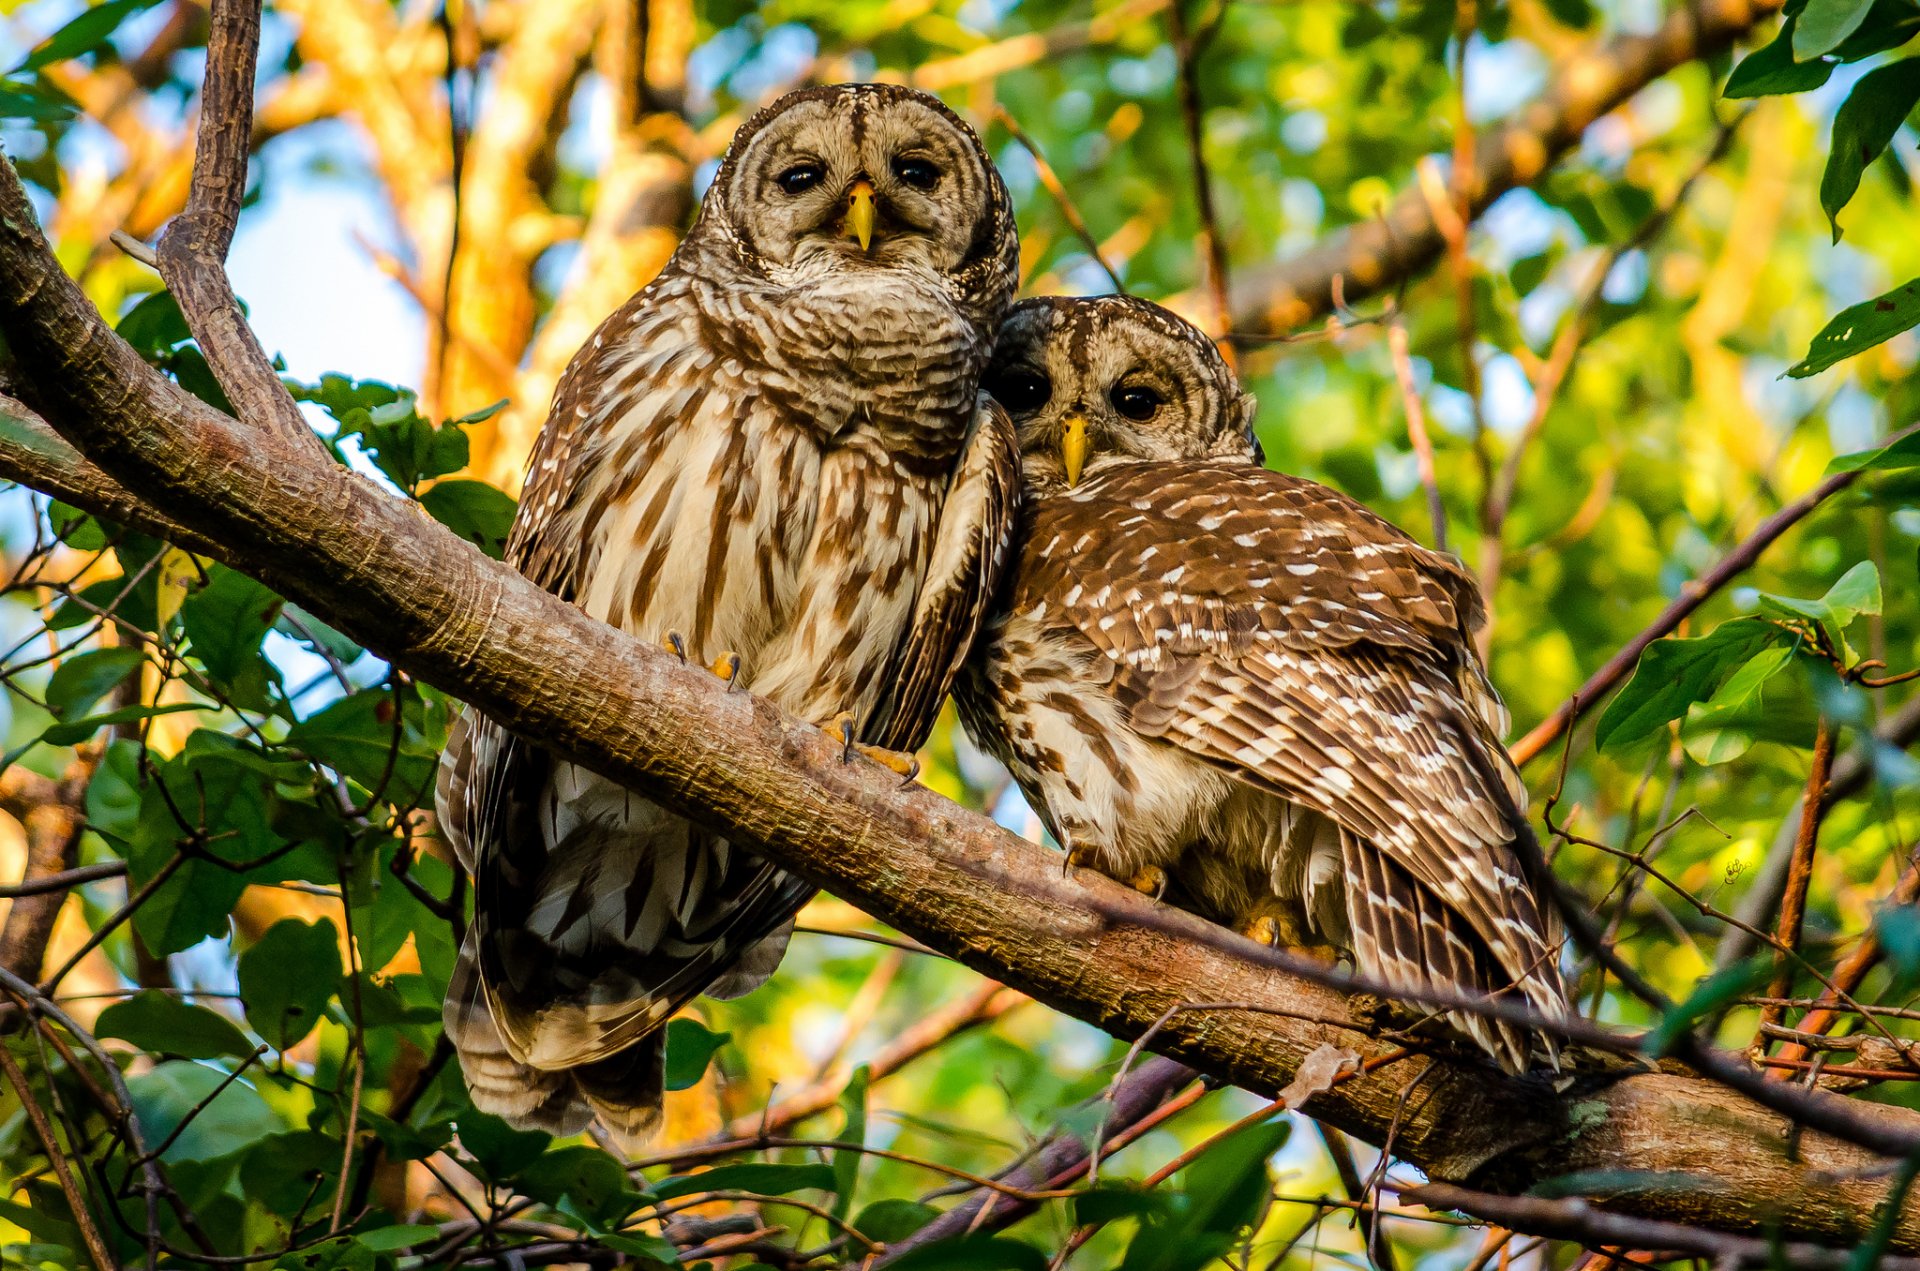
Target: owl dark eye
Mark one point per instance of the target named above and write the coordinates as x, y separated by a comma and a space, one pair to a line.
1134, 402
801, 177
921, 174
1020, 391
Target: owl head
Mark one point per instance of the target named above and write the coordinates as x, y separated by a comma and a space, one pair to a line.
863, 177
1108, 380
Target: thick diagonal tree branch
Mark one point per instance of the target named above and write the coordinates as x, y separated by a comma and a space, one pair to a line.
1374, 256
1696, 1150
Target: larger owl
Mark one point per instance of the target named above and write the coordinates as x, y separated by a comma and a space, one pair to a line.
776, 459
1242, 685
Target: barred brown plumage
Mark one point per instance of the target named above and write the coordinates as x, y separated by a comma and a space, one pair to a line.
778, 450
1245, 684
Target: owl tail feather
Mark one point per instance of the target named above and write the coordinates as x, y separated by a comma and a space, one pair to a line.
623, 1091
1403, 935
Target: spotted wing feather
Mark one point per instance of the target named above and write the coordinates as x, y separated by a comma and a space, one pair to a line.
1286, 634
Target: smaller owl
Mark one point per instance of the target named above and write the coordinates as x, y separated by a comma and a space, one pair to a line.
1243, 688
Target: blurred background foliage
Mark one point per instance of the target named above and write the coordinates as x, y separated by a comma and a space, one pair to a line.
449, 198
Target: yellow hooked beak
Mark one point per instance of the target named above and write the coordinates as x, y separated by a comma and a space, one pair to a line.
1073, 446
860, 213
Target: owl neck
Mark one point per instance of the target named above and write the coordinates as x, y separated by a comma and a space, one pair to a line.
886, 353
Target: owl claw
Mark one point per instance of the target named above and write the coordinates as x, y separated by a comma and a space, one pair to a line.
841, 729
727, 667
1150, 881
677, 644
1263, 930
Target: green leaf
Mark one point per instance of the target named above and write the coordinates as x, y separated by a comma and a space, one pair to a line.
972, 1253
170, 1093
72, 734
165, 1025
1577, 14
226, 620
369, 738
1858, 328
1903, 453
297, 624
1713, 732
1823, 24
847, 1161
283, 1170
342, 1254
1898, 927
392, 1239
41, 103
84, 34
652, 1251
1673, 674
690, 1046
1221, 1193
891, 1221
482, 415
1862, 127
1857, 592
499, 1148
84, 678
1708, 997
584, 1181
1889, 24
1112, 1201
751, 1176
474, 510
288, 976
1773, 69
155, 327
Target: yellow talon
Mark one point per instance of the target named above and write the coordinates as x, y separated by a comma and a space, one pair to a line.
727, 667
1263, 930
841, 729
676, 644
1151, 881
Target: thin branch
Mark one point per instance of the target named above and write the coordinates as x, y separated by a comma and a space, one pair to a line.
1417, 434
193, 251
1188, 49
1375, 256
57, 1157
1068, 211
1793, 910
1580, 1220
1692, 596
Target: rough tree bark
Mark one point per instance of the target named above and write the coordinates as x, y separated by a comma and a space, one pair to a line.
1696, 1150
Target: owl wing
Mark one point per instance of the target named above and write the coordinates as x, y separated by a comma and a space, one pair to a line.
545, 976
972, 543
1284, 633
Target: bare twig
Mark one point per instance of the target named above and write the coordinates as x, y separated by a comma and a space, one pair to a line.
1188, 49
1692, 596
1580, 1220
1565, 351
1793, 909
193, 251
1417, 433
57, 1157
1375, 256
1068, 211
